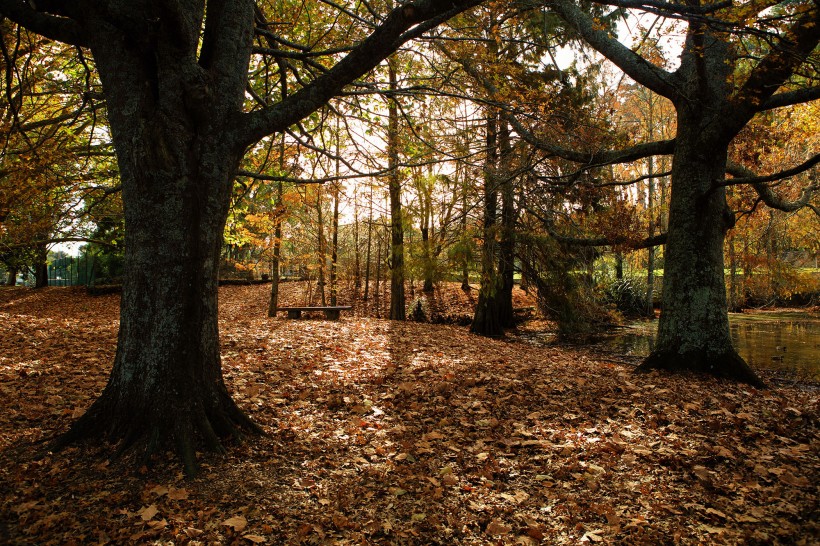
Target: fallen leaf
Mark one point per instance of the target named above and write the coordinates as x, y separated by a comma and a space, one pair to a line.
238, 523
148, 512
496, 528
177, 494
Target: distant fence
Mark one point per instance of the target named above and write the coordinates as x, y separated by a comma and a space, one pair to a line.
72, 271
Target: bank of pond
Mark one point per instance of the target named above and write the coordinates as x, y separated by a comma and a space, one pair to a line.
786, 341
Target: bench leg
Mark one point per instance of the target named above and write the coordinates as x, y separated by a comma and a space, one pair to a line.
332, 314
294, 314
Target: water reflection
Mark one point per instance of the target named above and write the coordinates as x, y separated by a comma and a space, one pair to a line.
782, 341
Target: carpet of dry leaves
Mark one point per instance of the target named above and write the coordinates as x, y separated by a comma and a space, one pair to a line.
402, 433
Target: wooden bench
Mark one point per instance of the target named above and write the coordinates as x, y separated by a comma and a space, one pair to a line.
331, 312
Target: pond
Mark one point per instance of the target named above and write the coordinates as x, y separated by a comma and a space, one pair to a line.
785, 341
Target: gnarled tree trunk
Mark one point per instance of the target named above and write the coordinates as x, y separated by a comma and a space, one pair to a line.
177, 165
693, 330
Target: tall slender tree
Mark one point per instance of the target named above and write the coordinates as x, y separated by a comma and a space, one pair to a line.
397, 307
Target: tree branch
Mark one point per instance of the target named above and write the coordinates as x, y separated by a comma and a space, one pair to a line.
589, 159
53, 27
767, 194
656, 240
778, 65
789, 98
367, 55
636, 67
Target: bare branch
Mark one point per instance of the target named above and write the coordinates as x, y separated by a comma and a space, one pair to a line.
768, 195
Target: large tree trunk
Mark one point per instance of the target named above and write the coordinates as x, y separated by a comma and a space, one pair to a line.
41, 267
693, 331
177, 163
11, 280
168, 361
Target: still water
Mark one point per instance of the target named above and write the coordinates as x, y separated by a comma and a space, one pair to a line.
786, 341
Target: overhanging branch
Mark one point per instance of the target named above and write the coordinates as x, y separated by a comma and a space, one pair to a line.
768, 195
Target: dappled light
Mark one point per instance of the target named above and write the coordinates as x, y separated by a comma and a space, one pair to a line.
401, 432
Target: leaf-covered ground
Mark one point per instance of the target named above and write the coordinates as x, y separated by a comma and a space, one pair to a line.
402, 433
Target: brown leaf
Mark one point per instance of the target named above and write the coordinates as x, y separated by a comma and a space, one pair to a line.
148, 512
496, 528
238, 523
177, 494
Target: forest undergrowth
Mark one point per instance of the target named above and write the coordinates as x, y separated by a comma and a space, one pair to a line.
382, 432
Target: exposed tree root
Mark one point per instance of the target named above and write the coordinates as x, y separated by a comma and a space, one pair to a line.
185, 427
727, 365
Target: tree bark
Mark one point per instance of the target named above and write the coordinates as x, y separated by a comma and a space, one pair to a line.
506, 257
465, 258
176, 162
334, 243
369, 248
41, 267
714, 99
11, 280
693, 331
357, 251
174, 83
275, 265
486, 320
168, 361
397, 305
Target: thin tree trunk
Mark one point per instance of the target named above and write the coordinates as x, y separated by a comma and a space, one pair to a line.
320, 283
465, 264
369, 247
650, 257
506, 261
334, 251
41, 267
734, 303
358, 252
486, 319
275, 266
397, 310
378, 277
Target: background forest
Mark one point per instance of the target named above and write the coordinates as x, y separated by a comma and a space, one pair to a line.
406, 149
